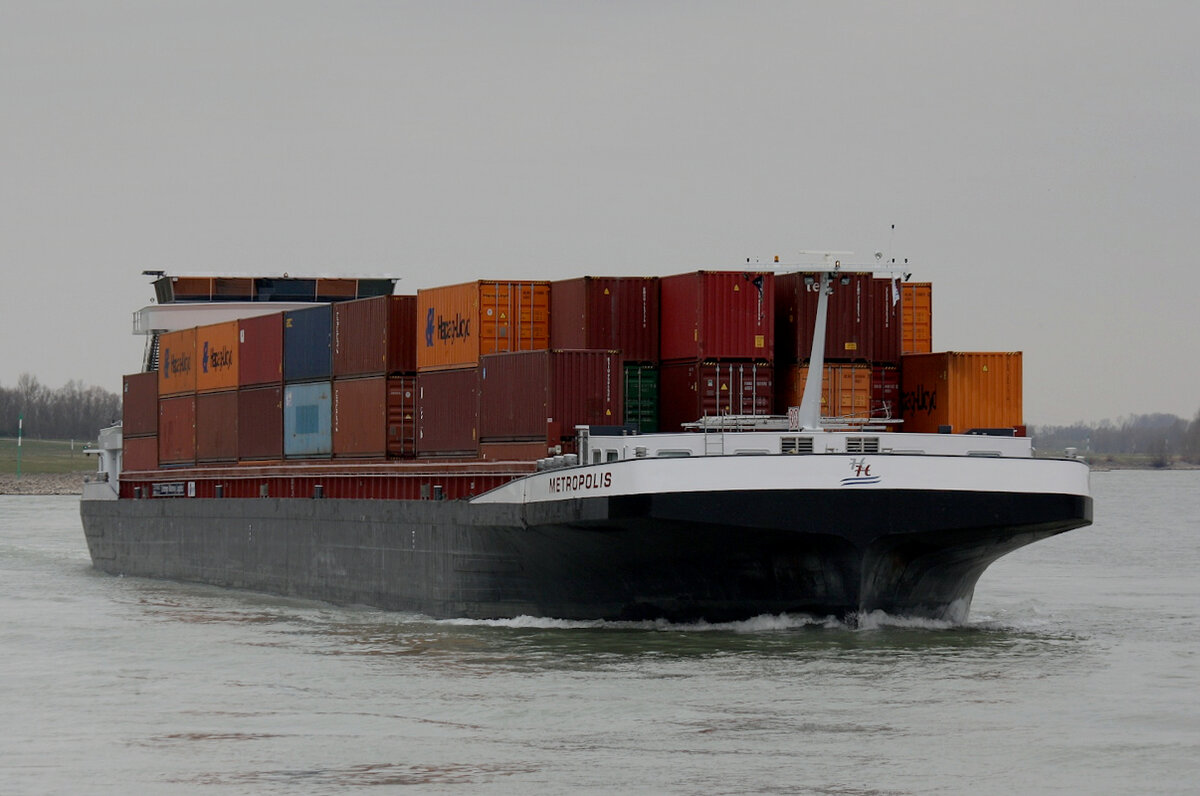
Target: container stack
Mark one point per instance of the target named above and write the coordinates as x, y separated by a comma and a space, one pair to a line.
603, 313
717, 342
177, 398
307, 383
217, 393
139, 421
260, 394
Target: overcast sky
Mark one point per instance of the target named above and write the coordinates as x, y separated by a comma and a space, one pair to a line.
1040, 162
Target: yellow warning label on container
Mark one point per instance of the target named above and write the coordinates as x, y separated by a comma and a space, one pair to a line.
851, 346
724, 386
760, 341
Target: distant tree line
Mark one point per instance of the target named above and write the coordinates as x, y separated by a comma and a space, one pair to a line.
1160, 438
71, 412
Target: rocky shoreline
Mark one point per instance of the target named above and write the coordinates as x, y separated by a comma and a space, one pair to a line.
43, 483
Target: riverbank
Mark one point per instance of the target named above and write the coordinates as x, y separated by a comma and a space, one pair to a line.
43, 483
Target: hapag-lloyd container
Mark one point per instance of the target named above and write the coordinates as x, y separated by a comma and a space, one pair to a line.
717, 315
543, 395
448, 413
139, 405
862, 324
607, 313
689, 391
260, 350
916, 317
177, 430
260, 423
962, 390
306, 346
217, 426
375, 336
177, 362
307, 416
458, 324
216, 357
845, 389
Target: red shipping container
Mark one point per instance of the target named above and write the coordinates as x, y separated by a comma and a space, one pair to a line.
140, 453
513, 451
885, 392
691, 390
402, 417
260, 423
717, 315
543, 395
177, 430
448, 413
607, 313
139, 405
360, 417
260, 350
217, 426
375, 336
862, 323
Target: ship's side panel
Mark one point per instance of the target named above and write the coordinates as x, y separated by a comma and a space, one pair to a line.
260, 350
177, 362
217, 355
306, 344
217, 426
177, 430
260, 423
307, 416
139, 405
360, 417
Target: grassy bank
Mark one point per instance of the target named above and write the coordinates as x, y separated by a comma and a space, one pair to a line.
44, 456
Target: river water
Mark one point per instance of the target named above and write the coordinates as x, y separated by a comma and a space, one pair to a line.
1077, 672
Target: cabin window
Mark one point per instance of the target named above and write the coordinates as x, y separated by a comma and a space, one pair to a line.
597, 455
673, 454
610, 456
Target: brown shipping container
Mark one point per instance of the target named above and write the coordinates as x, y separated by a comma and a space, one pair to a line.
885, 392
177, 362
139, 405
916, 317
140, 453
543, 395
962, 390
260, 350
402, 417
448, 413
360, 417
691, 390
845, 389
862, 323
217, 426
216, 357
717, 315
177, 430
608, 313
375, 336
513, 451
260, 423
460, 323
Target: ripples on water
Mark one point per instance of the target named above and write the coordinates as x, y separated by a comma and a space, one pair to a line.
1077, 672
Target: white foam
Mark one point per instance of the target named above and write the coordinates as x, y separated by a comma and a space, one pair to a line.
758, 624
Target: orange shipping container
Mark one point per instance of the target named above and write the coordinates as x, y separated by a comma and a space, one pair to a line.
916, 317
216, 357
962, 390
460, 323
845, 389
177, 362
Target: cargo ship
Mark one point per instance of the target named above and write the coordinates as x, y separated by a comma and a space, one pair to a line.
712, 446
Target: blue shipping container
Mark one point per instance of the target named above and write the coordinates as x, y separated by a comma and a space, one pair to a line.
307, 414
307, 355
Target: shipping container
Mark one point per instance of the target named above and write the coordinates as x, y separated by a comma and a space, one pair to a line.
607, 313
916, 317
402, 417
139, 405
177, 430
217, 426
717, 315
960, 391
260, 350
641, 397
260, 423
460, 323
862, 323
177, 362
306, 346
375, 336
307, 419
691, 390
216, 355
448, 413
360, 417
885, 392
543, 395
845, 389
513, 451
140, 453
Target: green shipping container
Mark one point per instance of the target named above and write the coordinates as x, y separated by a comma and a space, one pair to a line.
641, 397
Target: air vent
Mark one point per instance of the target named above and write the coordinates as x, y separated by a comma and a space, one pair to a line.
862, 444
796, 444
